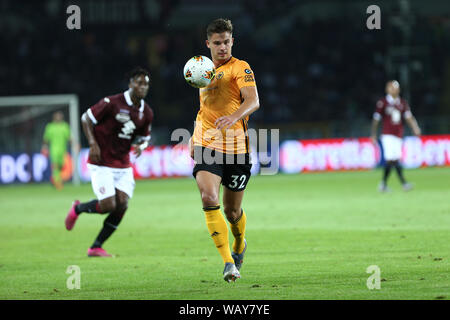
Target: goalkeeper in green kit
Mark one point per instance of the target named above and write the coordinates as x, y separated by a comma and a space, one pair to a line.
56, 138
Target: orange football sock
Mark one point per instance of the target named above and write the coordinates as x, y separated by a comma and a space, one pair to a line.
238, 230
218, 229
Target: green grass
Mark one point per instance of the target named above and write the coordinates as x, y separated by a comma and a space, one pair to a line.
310, 236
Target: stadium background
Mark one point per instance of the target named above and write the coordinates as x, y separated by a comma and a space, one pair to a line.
318, 66
319, 69
319, 72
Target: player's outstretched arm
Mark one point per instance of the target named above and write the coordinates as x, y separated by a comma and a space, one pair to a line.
88, 129
248, 106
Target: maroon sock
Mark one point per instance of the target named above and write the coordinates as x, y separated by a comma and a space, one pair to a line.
109, 226
92, 206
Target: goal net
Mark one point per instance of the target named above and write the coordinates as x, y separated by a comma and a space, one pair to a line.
22, 123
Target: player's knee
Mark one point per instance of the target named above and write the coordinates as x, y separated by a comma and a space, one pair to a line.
209, 199
108, 205
232, 213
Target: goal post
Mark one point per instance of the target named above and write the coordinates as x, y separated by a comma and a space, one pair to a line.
40, 106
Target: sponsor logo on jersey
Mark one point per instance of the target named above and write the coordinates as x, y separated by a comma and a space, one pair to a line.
248, 71
249, 78
122, 117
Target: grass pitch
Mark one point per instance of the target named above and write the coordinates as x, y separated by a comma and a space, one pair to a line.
310, 236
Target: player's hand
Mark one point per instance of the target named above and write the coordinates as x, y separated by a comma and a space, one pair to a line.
94, 153
44, 151
137, 150
417, 132
191, 147
225, 122
374, 140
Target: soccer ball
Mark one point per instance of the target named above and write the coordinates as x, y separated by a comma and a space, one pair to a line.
199, 71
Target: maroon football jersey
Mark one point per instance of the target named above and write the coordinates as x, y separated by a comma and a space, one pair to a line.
116, 124
392, 113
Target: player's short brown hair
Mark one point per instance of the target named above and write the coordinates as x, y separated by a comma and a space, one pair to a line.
218, 26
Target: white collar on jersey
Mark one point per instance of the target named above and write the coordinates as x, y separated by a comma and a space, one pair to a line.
390, 99
130, 103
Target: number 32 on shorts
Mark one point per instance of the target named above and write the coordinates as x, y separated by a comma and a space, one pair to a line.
237, 180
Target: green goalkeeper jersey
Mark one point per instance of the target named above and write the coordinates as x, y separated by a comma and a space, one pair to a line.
57, 134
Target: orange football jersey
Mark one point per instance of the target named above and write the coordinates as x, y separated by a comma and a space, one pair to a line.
220, 98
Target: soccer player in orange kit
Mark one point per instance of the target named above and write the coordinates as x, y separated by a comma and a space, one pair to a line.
221, 133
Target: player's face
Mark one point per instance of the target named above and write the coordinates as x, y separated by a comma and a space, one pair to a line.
139, 86
58, 116
393, 88
220, 45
